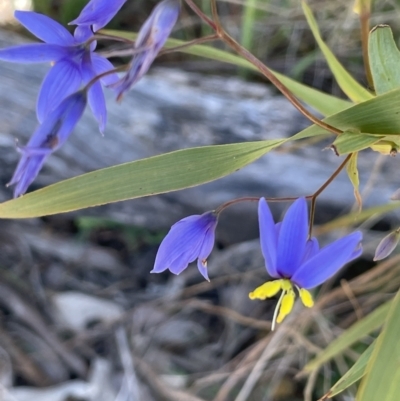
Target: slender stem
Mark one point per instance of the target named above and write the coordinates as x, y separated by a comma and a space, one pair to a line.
278, 84
132, 51
365, 15
102, 36
200, 13
204, 39
225, 37
321, 189
104, 74
215, 16
225, 205
278, 305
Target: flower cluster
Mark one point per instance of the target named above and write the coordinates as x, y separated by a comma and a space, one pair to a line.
295, 261
77, 69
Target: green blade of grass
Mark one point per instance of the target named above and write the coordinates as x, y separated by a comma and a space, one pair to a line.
382, 379
353, 334
322, 102
384, 59
378, 116
154, 175
347, 83
353, 375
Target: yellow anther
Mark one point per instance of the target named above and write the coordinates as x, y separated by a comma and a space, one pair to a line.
306, 298
267, 290
286, 285
286, 306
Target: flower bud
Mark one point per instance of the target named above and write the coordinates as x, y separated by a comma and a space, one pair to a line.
387, 245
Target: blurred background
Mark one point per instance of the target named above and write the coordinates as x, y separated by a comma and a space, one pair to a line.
81, 318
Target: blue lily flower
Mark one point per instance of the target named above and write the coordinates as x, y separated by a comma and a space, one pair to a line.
98, 13
189, 239
47, 138
75, 63
295, 261
151, 38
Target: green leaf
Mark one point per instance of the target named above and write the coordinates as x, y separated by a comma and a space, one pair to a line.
378, 116
347, 83
352, 172
154, 175
384, 59
353, 334
350, 142
322, 102
382, 379
355, 373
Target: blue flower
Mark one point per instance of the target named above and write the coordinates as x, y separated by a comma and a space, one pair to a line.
151, 38
294, 260
75, 63
189, 239
47, 138
98, 13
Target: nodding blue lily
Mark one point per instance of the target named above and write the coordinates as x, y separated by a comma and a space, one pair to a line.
151, 38
296, 262
74, 64
47, 138
189, 239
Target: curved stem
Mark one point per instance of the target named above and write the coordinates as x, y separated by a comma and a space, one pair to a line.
104, 74
200, 13
321, 189
225, 37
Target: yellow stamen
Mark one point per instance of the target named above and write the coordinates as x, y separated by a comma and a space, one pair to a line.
267, 290
286, 301
306, 298
286, 306
286, 285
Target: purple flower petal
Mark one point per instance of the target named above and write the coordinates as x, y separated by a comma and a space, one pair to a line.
83, 33
151, 38
47, 138
312, 248
101, 65
98, 13
34, 53
189, 239
204, 252
27, 170
61, 81
268, 238
292, 238
182, 237
328, 261
97, 104
45, 28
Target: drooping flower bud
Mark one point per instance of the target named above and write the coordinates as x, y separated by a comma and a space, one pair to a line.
189, 239
47, 138
151, 38
387, 245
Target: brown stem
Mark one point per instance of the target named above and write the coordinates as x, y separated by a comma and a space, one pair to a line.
104, 74
364, 22
102, 36
204, 39
321, 189
225, 37
200, 13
